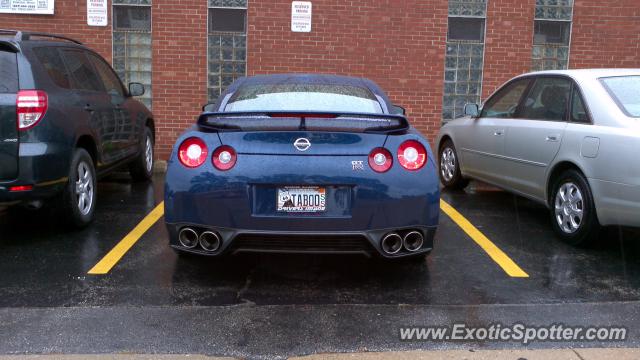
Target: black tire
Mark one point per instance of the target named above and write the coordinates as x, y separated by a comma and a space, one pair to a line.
566, 221
450, 178
141, 169
76, 213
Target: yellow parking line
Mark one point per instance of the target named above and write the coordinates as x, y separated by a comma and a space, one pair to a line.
111, 259
502, 259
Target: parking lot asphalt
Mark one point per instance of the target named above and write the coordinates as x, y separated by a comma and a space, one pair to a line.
270, 306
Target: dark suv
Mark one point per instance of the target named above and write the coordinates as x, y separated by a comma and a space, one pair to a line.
65, 119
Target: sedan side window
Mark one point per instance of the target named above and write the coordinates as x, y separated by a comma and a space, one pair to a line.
111, 82
505, 102
578, 110
547, 100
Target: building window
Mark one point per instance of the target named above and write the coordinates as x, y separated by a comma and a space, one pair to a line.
464, 56
552, 34
132, 43
227, 44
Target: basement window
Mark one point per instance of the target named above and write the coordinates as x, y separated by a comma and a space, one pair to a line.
132, 44
227, 49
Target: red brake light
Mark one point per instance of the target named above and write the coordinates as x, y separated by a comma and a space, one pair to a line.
192, 152
303, 115
380, 160
20, 188
224, 158
30, 107
412, 155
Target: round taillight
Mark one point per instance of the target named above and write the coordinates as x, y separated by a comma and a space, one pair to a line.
380, 160
412, 155
224, 158
192, 152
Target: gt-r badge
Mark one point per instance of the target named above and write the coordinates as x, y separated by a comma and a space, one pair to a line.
302, 144
358, 165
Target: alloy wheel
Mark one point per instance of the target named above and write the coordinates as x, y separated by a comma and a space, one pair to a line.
569, 207
148, 154
84, 188
448, 163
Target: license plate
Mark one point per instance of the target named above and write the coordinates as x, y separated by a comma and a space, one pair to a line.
302, 199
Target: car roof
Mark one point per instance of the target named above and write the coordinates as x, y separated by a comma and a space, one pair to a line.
587, 74
324, 79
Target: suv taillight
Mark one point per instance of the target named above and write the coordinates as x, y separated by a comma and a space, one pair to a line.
30, 107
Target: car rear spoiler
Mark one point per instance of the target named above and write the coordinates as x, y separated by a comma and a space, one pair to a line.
303, 120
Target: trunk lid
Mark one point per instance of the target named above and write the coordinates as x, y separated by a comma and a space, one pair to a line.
8, 130
319, 143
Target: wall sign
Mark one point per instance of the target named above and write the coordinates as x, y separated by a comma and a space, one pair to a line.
27, 7
96, 13
301, 16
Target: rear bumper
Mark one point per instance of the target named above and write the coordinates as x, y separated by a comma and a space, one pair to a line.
616, 203
360, 202
41, 165
353, 242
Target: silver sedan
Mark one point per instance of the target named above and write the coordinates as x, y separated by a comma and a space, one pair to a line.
567, 139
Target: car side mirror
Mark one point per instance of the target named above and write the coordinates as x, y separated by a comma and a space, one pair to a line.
398, 110
472, 110
136, 89
210, 107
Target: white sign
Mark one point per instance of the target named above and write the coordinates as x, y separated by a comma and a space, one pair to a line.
26, 7
301, 16
96, 13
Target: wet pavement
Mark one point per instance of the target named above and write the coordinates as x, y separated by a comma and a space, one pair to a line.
279, 305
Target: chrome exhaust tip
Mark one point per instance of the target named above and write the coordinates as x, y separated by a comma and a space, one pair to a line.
413, 241
210, 241
188, 238
391, 243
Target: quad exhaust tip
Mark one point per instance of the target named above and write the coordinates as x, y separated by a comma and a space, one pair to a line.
188, 238
391, 243
209, 241
413, 241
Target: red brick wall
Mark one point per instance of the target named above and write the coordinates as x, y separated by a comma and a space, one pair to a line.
508, 42
70, 19
605, 34
179, 67
398, 44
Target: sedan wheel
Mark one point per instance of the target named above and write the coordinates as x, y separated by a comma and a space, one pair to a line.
573, 211
447, 164
450, 175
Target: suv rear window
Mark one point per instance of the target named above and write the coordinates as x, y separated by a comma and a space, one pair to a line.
8, 72
304, 97
625, 90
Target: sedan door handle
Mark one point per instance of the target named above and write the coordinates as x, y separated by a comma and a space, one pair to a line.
552, 138
498, 133
88, 108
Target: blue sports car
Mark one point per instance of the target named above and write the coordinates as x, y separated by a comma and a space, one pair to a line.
302, 163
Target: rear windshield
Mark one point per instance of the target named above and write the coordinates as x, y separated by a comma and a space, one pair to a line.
8, 72
304, 97
625, 90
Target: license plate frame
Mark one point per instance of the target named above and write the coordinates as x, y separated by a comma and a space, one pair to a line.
301, 199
